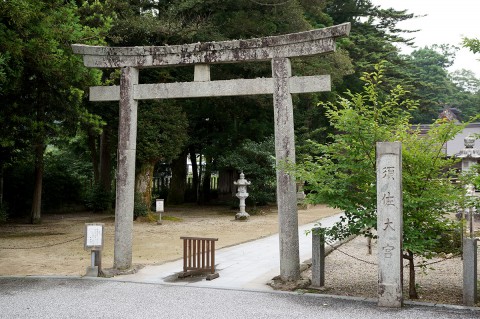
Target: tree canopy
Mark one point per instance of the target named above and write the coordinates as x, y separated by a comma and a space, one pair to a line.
43, 85
343, 172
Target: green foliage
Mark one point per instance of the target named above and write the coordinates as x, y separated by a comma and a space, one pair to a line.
139, 207
60, 186
343, 174
43, 95
3, 213
18, 190
432, 86
257, 161
162, 131
472, 43
98, 199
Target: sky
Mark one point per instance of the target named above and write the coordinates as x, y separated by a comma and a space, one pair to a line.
447, 22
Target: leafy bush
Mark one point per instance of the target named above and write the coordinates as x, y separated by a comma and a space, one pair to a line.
257, 161
139, 207
66, 176
60, 188
3, 213
98, 199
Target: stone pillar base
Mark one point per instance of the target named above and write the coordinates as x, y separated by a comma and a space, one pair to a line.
242, 216
92, 271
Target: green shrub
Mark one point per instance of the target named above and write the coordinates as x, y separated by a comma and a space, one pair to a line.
257, 161
98, 199
3, 213
139, 207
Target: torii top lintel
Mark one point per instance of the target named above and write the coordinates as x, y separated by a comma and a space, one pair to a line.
299, 44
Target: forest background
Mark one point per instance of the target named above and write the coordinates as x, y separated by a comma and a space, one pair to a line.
58, 150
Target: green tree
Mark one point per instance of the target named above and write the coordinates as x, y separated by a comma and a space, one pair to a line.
343, 173
257, 161
374, 33
466, 97
162, 132
472, 43
429, 77
45, 80
219, 124
466, 80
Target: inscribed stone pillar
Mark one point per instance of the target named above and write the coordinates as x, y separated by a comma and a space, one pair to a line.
389, 224
127, 136
286, 188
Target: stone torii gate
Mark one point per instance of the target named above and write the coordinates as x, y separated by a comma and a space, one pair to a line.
277, 49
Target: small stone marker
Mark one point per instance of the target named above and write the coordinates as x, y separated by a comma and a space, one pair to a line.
94, 242
318, 257
389, 223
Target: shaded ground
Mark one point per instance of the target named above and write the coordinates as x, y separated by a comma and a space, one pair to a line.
152, 243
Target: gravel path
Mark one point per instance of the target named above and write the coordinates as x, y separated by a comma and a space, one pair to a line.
351, 271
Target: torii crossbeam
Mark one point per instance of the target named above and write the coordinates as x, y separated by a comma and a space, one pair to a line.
277, 49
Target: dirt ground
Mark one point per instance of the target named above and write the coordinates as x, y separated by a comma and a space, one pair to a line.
55, 247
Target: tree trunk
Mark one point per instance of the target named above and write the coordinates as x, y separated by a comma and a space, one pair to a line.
226, 188
36, 213
193, 160
143, 183
176, 194
92, 146
412, 289
207, 176
1, 185
105, 165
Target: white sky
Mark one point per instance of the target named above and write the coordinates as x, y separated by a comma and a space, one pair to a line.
447, 22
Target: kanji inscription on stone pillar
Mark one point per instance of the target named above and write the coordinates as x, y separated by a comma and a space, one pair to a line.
389, 223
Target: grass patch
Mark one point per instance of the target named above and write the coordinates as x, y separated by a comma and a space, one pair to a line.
172, 218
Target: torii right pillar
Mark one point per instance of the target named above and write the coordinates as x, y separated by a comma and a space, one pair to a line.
286, 187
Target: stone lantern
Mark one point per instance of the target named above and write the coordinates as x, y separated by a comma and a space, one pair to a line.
242, 194
469, 155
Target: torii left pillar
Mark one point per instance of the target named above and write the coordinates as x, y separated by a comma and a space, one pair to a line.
127, 137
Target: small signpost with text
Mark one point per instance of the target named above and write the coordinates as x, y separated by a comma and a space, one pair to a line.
159, 208
94, 242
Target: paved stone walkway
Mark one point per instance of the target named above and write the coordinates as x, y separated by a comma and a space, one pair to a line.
246, 266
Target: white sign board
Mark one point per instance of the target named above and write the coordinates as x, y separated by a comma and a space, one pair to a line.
159, 206
94, 236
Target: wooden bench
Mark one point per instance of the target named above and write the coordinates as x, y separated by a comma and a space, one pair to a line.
199, 257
